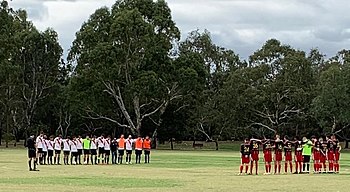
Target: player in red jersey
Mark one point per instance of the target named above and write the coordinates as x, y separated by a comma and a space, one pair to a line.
267, 149
316, 154
245, 156
337, 149
254, 145
278, 154
323, 154
288, 154
330, 154
298, 157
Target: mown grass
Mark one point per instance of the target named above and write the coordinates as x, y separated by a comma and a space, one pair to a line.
196, 170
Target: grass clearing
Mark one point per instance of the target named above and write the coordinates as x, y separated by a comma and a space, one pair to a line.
169, 171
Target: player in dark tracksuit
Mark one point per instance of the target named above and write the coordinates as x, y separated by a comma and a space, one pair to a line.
31, 145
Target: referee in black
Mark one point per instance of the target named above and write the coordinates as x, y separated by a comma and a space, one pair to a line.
31, 153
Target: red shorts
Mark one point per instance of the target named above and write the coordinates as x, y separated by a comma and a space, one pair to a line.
337, 155
288, 156
245, 159
268, 156
278, 155
322, 158
330, 156
317, 155
299, 157
255, 155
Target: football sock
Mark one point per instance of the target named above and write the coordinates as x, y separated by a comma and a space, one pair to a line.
315, 167
266, 168
285, 167
35, 162
256, 167
308, 167
338, 167
330, 167
291, 166
30, 164
335, 167
251, 167
275, 168
241, 169
279, 168
246, 168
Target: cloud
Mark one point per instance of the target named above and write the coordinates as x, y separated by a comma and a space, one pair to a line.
241, 25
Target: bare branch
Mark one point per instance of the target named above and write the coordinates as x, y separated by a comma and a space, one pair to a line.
183, 106
158, 124
154, 111
340, 130
97, 117
201, 129
262, 125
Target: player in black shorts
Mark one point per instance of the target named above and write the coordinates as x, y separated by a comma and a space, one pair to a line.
31, 153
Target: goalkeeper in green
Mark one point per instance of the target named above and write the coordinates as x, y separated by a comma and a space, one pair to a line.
307, 152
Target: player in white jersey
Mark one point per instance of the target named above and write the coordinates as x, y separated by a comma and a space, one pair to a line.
73, 150
100, 144
66, 150
128, 146
44, 148
80, 149
107, 149
49, 144
39, 146
57, 142
93, 150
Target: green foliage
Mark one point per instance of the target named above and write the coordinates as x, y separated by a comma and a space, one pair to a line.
127, 72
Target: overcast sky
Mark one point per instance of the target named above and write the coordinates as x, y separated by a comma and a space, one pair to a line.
241, 25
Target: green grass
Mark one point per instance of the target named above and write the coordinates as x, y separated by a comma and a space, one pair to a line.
196, 170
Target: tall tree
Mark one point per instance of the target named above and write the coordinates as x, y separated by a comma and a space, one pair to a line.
331, 106
126, 51
217, 62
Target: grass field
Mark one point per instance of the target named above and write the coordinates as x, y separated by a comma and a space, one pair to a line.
169, 171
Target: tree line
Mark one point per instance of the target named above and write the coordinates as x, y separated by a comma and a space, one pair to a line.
127, 71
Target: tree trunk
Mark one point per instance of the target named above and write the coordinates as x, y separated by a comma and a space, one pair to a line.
346, 144
171, 144
216, 145
7, 128
0, 133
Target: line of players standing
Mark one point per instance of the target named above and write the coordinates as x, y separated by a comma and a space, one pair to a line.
96, 150
321, 150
